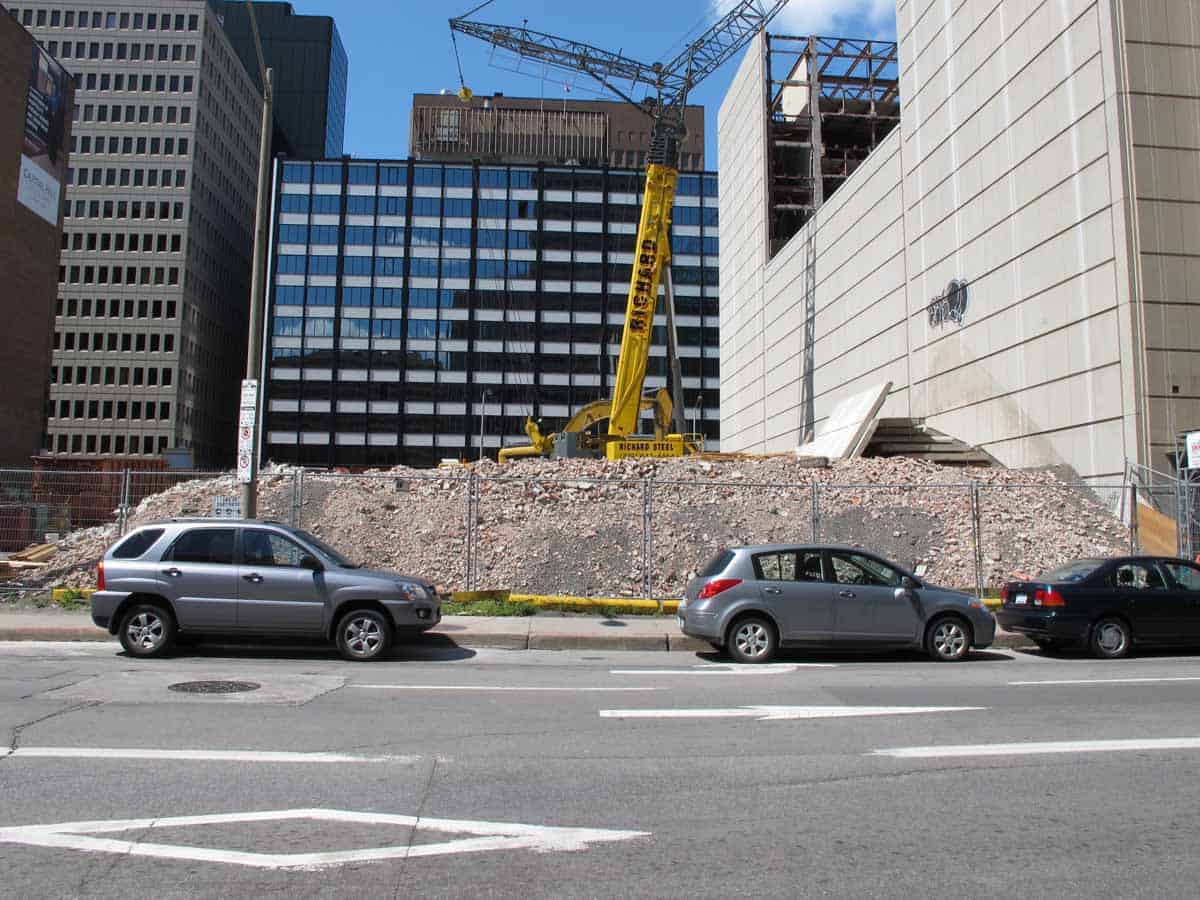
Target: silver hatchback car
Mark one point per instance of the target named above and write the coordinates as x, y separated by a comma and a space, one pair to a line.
750, 601
221, 577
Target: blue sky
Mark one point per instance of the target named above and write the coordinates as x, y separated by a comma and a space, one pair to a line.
399, 47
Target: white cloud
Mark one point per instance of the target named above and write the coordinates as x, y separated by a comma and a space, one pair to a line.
831, 18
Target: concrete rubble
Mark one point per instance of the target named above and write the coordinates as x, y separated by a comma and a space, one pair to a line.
579, 526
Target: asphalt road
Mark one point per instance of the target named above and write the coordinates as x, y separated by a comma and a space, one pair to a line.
452, 773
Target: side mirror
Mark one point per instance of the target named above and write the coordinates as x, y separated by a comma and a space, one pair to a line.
311, 563
909, 584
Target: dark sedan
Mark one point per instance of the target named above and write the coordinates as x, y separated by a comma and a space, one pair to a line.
1107, 605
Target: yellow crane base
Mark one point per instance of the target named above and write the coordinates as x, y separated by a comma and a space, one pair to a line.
641, 447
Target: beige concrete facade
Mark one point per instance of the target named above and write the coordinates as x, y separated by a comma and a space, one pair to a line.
1049, 156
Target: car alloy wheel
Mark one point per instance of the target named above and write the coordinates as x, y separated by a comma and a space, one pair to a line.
949, 640
752, 640
147, 630
1110, 639
363, 635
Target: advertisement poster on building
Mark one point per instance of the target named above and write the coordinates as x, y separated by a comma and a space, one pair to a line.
43, 162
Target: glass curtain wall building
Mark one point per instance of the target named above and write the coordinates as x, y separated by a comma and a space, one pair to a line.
421, 311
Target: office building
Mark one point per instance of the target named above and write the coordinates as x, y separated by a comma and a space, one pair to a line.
529, 130
35, 122
417, 307
150, 333
1017, 257
310, 69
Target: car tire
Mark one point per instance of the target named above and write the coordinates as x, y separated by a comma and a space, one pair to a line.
147, 630
1110, 638
752, 639
363, 635
948, 639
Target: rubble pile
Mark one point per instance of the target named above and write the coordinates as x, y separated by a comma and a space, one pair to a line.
586, 527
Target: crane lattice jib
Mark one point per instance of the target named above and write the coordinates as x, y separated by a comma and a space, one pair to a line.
571, 56
652, 253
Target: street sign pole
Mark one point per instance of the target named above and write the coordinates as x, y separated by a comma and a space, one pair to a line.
248, 418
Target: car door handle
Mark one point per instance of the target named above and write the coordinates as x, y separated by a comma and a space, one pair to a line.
174, 573
254, 578
848, 595
772, 590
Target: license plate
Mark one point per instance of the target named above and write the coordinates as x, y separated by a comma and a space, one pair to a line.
1020, 600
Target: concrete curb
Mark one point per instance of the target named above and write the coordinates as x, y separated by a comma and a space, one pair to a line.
528, 640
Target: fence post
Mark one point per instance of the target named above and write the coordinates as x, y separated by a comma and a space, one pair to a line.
1133, 519
472, 515
647, 537
123, 516
977, 539
816, 511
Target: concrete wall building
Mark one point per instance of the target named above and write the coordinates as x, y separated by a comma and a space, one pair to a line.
150, 335
1047, 157
529, 130
35, 123
311, 70
416, 306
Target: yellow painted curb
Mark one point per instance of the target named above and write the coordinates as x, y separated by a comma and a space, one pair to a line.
61, 594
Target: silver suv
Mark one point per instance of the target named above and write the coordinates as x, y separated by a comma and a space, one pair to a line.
750, 601
222, 577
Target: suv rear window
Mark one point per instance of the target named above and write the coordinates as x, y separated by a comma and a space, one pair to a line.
137, 543
204, 545
717, 564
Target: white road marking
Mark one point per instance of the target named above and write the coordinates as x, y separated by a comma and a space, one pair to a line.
1107, 681
725, 669
478, 837
1036, 748
246, 756
496, 687
783, 713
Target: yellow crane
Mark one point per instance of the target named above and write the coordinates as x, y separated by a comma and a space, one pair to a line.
670, 83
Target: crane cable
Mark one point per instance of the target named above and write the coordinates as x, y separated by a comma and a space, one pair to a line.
464, 93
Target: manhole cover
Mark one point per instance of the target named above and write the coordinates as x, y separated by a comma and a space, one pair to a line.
214, 687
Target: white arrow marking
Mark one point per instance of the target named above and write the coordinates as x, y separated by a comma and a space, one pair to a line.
783, 713
1034, 749
721, 669
1107, 681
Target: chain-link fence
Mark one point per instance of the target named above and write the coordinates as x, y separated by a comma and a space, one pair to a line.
601, 536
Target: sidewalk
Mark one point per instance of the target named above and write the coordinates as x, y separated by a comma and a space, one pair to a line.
517, 633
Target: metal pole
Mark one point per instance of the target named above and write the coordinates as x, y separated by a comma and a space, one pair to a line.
1133, 520
816, 511
482, 420
976, 539
646, 538
676, 370
258, 278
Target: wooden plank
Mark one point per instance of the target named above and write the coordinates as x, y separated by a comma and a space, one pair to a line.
1157, 533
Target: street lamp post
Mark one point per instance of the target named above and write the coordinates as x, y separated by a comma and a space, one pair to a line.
249, 424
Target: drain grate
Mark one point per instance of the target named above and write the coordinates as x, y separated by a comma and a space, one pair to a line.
214, 687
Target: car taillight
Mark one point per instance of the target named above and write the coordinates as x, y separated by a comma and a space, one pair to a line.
100, 576
1004, 594
1049, 597
715, 587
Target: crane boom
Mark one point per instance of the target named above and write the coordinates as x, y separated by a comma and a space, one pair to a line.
671, 82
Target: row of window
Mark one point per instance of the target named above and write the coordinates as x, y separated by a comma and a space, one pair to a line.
86, 307
110, 409
425, 267
105, 444
447, 298
124, 209
515, 179
121, 242
157, 275
116, 113
56, 18
97, 177
128, 146
138, 376
121, 51
485, 238
114, 342
117, 81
